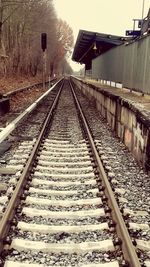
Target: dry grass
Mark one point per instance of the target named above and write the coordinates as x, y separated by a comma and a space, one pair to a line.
11, 83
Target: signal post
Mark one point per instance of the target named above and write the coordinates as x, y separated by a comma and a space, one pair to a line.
44, 47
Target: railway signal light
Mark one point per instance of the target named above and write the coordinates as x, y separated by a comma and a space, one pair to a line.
43, 41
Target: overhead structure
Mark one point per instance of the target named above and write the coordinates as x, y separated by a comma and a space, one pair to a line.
89, 45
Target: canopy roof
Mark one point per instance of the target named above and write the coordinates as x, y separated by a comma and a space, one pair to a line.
91, 44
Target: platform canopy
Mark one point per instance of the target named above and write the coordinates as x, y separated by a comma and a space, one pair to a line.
91, 44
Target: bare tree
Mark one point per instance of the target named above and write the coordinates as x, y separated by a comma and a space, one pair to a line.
64, 67
64, 44
21, 25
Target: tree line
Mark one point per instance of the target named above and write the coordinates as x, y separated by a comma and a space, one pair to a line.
21, 25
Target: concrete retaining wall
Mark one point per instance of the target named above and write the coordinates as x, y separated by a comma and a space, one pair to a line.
125, 119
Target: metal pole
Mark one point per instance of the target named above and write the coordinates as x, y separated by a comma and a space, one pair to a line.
44, 69
143, 9
133, 25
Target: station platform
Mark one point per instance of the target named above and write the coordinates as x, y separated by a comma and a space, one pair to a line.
127, 112
140, 101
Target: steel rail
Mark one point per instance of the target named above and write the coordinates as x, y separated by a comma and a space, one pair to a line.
128, 249
12, 205
21, 89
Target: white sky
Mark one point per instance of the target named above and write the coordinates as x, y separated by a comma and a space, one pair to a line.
103, 16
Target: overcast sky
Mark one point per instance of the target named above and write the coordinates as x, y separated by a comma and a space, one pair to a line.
103, 16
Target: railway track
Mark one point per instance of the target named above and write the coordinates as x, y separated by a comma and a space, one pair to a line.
19, 99
62, 211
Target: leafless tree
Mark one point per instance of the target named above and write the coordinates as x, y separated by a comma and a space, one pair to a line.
21, 25
64, 44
